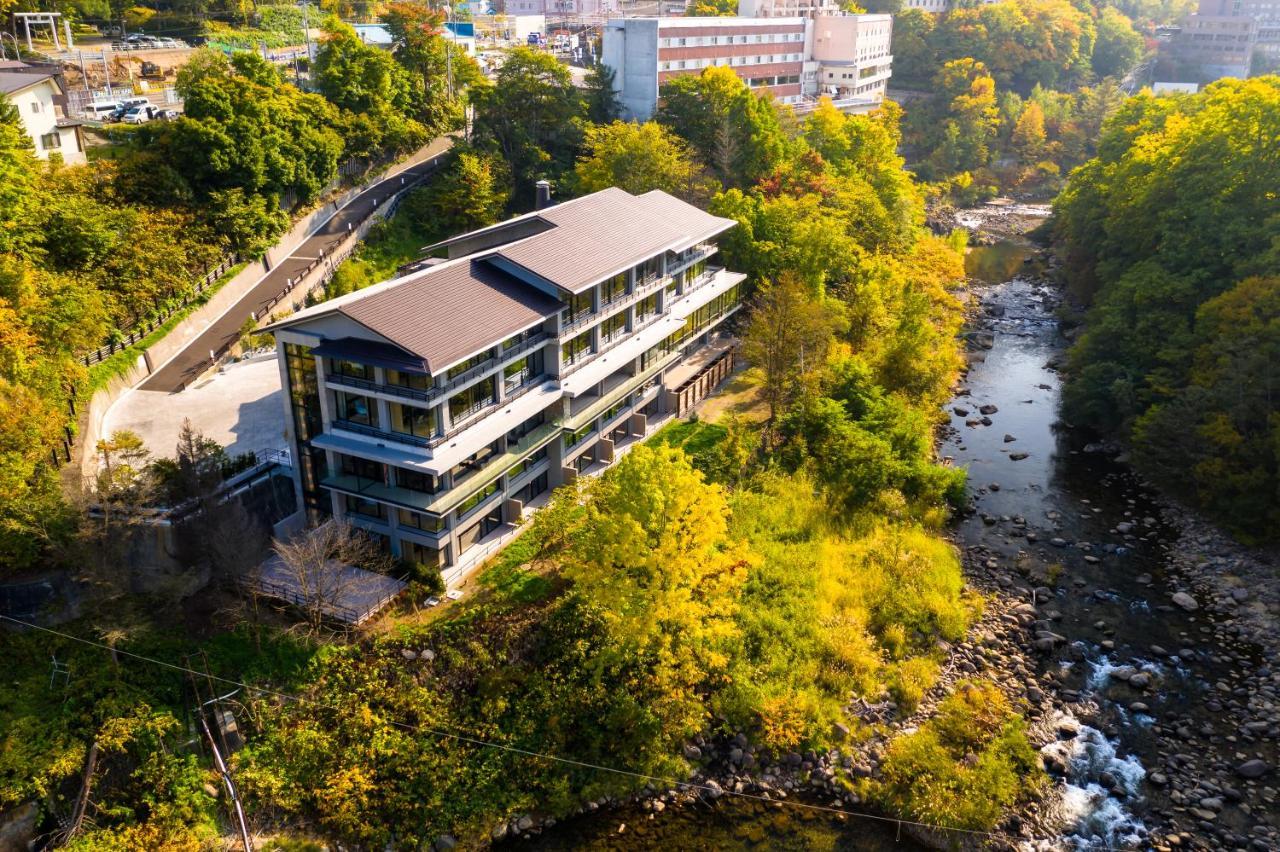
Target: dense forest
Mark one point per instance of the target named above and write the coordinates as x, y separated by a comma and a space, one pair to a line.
89, 253
1017, 91
1171, 238
745, 576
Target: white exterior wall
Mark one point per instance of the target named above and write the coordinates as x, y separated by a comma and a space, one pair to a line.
631, 50
40, 116
854, 54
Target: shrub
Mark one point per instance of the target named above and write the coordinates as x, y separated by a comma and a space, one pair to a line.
962, 768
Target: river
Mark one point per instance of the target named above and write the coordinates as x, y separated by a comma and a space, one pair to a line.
1137, 690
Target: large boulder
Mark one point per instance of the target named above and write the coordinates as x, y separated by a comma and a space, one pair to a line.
1185, 601
1253, 768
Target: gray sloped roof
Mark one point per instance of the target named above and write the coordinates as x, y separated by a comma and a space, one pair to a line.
609, 231
16, 81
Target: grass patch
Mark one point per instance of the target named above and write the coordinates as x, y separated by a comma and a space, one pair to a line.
692, 436
121, 362
509, 578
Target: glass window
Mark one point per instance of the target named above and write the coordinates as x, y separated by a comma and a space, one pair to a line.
419, 521
580, 306
412, 420
614, 327
465, 469
356, 408
649, 271
417, 381
476, 499
521, 372
362, 468
536, 486
613, 411
516, 339
614, 288
474, 361
366, 508
471, 400
529, 462
304, 392
416, 480
343, 367
578, 348
416, 551
646, 307
526, 427
581, 435
50, 141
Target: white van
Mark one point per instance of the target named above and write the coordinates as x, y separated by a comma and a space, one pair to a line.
130, 103
101, 109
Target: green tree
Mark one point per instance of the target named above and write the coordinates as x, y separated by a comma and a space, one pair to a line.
713, 8
1119, 47
532, 116
1028, 135
635, 157
17, 168
470, 194
602, 99
787, 337
735, 132
1174, 212
653, 554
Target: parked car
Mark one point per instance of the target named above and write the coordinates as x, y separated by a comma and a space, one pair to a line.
101, 110
125, 107
165, 115
139, 115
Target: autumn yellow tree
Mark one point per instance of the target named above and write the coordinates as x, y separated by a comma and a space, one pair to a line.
1028, 136
635, 157
654, 555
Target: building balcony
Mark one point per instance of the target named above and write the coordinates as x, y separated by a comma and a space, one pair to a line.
374, 489
381, 434
435, 392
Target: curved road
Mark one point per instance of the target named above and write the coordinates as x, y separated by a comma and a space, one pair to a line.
180, 370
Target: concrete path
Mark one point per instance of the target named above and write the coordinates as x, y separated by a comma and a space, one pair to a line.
190, 362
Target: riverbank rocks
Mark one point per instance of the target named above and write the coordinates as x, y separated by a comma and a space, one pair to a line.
1185, 601
1018, 456
987, 409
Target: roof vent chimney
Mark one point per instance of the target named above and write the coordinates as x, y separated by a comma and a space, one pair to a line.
542, 195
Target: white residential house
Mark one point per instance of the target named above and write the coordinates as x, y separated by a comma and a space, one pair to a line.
40, 98
437, 409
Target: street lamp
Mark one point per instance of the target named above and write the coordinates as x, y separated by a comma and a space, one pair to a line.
448, 49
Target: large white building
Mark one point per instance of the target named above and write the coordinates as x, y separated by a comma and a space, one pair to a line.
436, 409
38, 95
797, 59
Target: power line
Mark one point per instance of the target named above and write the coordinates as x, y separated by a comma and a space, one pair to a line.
470, 740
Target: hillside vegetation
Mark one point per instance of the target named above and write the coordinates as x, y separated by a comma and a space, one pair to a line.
1171, 237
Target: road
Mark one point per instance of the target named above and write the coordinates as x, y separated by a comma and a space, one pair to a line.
191, 361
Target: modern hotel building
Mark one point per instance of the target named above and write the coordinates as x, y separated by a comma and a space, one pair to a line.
436, 409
